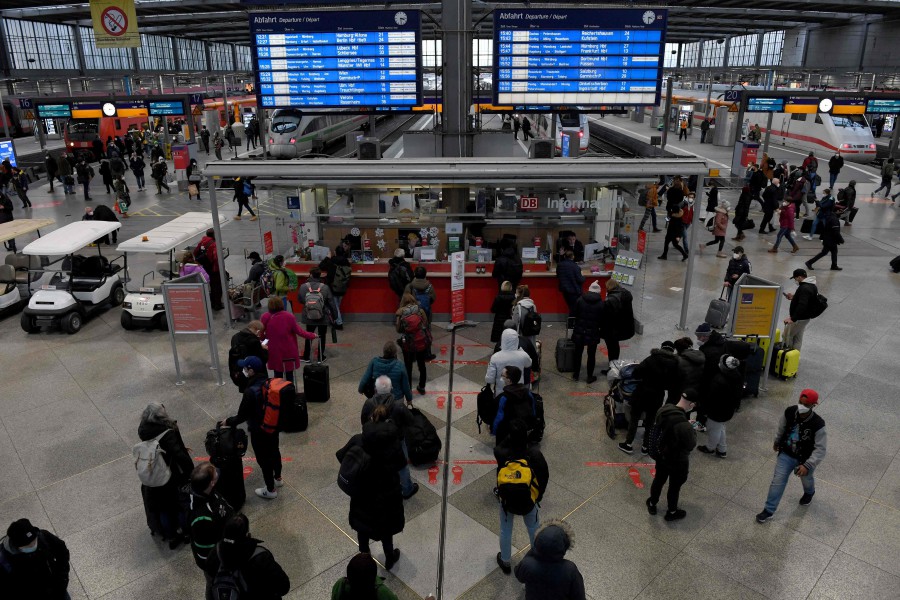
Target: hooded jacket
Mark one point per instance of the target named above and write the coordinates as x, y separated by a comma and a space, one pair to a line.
245, 343
399, 262
801, 303
737, 266
265, 578
520, 309
786, 216
690, 369
617, 319
394, 369
678, 436
544, 570
570, 277
509, 355
421, 285
724, 395
515, 402
831, 231
42, 574
508, 267
657, 373
279, 278
720, 226
154, 421
713, 350
588, 317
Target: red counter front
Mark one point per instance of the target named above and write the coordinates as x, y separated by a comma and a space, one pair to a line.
370, 298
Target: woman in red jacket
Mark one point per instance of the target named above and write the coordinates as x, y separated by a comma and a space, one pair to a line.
786, 224
281, 330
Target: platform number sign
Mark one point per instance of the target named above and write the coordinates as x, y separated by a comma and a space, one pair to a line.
733, 95
26, 103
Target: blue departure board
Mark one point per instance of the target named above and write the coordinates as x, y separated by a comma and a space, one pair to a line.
368, 60
160, 109
881, 105
48, 111
765, 104
579, 57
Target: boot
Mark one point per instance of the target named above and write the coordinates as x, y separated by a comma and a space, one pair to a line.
254, 218
773, 250
237, 217
795, 250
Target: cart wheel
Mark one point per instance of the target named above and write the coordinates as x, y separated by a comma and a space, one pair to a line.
163, 322
117, 296
127, 321
28, 324
72, 323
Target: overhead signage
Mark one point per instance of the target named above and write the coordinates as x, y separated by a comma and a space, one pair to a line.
162, 109
8, 152
733, 95
848, 106
363, 60
765, 104
115, 24
877, 105
54, 111
802, 105
578, 57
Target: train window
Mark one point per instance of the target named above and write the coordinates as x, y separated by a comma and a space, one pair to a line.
818, 119
569, 120
313, 125
83, 126
851, 121
285, 123
798, 116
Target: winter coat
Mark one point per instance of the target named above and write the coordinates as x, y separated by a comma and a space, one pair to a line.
404, 265
588, 317
245, 343
264, 577
256, 272
801, 303
723, 395
327, 296
6, 209
713, 350
504, 453
772, 196
570, 277
158, 170
502, 310
758, 180
208, 515
106, 172
164, 499
137, 166
786, 216
720, 225
547, 575
399, 413
742, 210
825, 206
675, 228
509, 355
811, 442
520, 309
835, 163
849, 198
328, 268
810, 163
42, 574
189, 269
712, 199
674, 198
617, 319
652, 197
514, 402
421, 285
251, 410
279, 278
508, 267
282, 330
678, 436
394, 369
63, 166
658, 373
212, 251
52, 166
690, 369
831, 232
340, 262
736, 266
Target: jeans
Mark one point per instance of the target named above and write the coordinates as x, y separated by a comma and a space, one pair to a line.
832, 178
793, 333
784, 232
338, 318
812, 181
406, 483
417, 356
532, 521
387, 543
815, 224
268, 456
784, 466
87, 194
715, 436
322, 330
674, 471
591, 357
140, 180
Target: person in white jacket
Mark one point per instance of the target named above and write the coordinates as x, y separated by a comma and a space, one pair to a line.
509, 355
522, 305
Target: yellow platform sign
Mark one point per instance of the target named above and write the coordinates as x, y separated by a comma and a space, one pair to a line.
115, 24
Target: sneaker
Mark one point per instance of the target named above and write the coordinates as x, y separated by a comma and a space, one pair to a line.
675, 515
806, 499
591, 379
651, 507
807, 237
721, 255
721, 454
415, 489
264, 493
279, 482
662, 258
764, 516
705, 450
809, 266
504, 566
645, 450
390, 561
626, 448
837, 268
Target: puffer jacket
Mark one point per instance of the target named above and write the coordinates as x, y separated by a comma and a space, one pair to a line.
724, 396
570, 277
617, 319
191, 268
544, 570
720, 228
509, 355
737, 266
394, 369
690, 369
658, 373
588, 317
786, 216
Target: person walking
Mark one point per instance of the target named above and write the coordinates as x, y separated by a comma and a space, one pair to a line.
682, 129
52, 168
65, 172
677, 439
362, 582
811, 166
401, 417
845, 206
588, 319
799, 191
517, 124
318, 309
771, 196
831, 239
704, 129
137, 165
388, 365
570, 280
204, 137
657, 374
158, 171
376, 512
218, 144
34, 563
738, 265
835, 164
674, 233
250, 563
85, 174
652, 196
263, 437
544, 569
514, 456
722, 399
412, 325
526, 129
209, 512
243, 191
741, 212
720, 229
801, 443
785, 227
510, 355
801, 309
824, 207
502, 309
887, 176
617, 319
106, 174
283, 333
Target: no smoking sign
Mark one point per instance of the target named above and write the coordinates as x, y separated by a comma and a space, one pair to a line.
114, 21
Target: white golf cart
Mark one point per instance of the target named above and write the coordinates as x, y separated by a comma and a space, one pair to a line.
20, 274
80, 286
145, 307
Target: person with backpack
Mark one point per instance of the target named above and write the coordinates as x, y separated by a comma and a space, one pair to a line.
544, 570
510, 355
522, 478
376, 509
831, 239
400, 272
803, 307
525, 317
243, 191
318, 307
415, 338
209, 512
824, 207
657, 375
423, 291
188, 266
207, 254
674, 440
387, 364
34, 563
246, 342
158, 171
161, 440
278, 281
244, 568
811, 166
340, 282
401, 417
617, 319
845, 207
362, 581
588, 316
508, 267
722, 400
282, 331
263, 440
502, 309
570, 279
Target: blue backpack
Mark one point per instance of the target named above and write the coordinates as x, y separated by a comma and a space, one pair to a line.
423, 297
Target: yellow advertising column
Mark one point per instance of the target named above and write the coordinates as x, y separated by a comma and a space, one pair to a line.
115, 24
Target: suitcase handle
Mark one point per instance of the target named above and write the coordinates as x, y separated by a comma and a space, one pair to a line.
722, 293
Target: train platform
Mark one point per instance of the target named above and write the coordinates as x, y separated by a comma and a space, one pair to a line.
71, 404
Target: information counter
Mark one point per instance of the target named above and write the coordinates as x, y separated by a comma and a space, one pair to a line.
370, 298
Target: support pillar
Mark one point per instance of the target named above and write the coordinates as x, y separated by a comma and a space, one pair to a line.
456, 139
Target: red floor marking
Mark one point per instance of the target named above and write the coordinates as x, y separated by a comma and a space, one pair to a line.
461, 362
245, 458
454, 393
618, 464
635, 477
458, 401
47, 204
457, 474
441, 402
247, 471
653, 472
587, 393
432, 474
475, 462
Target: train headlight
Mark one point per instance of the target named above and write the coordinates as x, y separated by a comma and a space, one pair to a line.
581, 134
845, 145
871, 146
293, 140
271, 140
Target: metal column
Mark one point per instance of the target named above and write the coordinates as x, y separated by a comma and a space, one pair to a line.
217, 227
666, 110
457, 56
692, 253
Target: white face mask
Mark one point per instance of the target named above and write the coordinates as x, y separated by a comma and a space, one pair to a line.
28, 549
246, 372
802, 409
736, 256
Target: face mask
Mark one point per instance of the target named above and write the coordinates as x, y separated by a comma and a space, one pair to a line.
28, 549
246, 373
736, 256
802, 409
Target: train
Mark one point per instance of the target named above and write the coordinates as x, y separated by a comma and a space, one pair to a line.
541, 126
13, 118
292, 134
821, 133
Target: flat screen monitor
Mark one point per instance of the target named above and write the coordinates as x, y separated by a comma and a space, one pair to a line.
484, 255
593, 251
417, 253
319, 253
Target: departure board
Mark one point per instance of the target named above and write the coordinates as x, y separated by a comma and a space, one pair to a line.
560, 57
367, 60
760, 104
881, 105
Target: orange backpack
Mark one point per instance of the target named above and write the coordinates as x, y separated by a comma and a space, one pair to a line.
274, 392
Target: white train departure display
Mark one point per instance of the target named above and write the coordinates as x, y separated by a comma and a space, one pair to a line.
560, 57
366, 60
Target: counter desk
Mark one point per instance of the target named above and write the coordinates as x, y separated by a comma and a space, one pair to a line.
370, 298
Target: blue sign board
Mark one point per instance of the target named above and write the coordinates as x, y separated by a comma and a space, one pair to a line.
578, 57
765, 104
58, 111
874, 105
368, 60
161, 109
8, 151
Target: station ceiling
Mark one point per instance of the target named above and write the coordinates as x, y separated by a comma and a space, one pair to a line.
689, 20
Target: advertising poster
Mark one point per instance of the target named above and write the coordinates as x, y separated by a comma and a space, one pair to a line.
755, 310
457, 287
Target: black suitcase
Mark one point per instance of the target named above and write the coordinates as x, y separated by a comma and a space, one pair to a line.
565, 351
316, 380
294, 417
231, 480
754, 368
806, 227
895, 265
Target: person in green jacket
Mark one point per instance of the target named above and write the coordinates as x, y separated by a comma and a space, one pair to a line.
362, 581
280, 280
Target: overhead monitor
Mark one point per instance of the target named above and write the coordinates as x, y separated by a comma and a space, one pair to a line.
167, 108
593, 251
578, 57
363, 60
54, 111
879, 105
762, 104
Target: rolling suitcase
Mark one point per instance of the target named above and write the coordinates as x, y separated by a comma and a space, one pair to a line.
806, 227
754, 368
895, 265
565, 351
785, 361
316, 381
717, 313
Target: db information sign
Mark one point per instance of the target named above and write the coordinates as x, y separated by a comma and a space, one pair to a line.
528, 203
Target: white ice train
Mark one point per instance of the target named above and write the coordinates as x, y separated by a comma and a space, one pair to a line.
292, 134
541, 126
822, 133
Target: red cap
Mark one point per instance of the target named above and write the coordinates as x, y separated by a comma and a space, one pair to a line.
809, 397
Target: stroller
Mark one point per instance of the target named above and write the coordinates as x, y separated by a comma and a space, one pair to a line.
622, 385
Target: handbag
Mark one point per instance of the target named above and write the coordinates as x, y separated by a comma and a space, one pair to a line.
748, 224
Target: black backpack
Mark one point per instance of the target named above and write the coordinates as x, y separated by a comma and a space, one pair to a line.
487, 408
818, 307
399, 277
230, 585
353, 470
531, 323
422, 440
226, 442
536, 423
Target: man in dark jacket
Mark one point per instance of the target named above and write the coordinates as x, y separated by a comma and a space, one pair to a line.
588, 315
245, 343
674, 233
690, 365
824, 207
712, 345
340, 282
34, 563
316, 285
570, 280
741, 212
238, 552
835, 164
617, 320
544, 570
657, 374
801, 444
252, 411
674, 195
846, 203
677, 439
721, 402
401, 417
831, 239
508, 267
400, 272
771, 197
757, 183
209, 512
52, 168
257, 268
737, 266
801, 309
514, 402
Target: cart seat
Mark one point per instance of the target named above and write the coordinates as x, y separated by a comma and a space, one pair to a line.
7, 279
23, 265
86, 284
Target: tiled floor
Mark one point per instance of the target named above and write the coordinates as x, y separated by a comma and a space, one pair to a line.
70, 406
